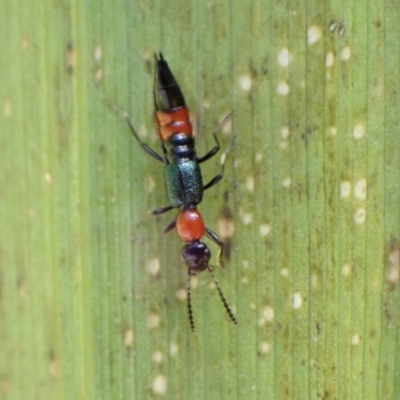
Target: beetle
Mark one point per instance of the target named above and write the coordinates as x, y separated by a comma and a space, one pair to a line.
182, 175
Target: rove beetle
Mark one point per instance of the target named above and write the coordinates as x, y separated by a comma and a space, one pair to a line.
182, 175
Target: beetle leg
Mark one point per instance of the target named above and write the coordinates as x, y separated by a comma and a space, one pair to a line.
214, 237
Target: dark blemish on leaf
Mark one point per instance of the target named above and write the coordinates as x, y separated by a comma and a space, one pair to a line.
148, 65
227, 195
253, 71
341, 29
226, 225
332, 25
227, 213
264, 66
306, 134
372, 333
227, 248
70, 58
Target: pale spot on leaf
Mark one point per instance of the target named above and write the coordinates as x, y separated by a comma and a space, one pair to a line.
360, 189
359, 131
345, 189
283, 88
314, 34
245, 82
153, 266
359, 216
297, 300
159, 385
345, 54
284, 57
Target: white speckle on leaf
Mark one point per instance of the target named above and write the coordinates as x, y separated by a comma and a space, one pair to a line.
70, 59
355, 339
360, 189
157, 357
142, 131
265, 229
250, 183
194, 282
247, 218
314, 280
7, 108
259, 157
54, 370
181, 294
159, 385
359, 131
173, 349
244, 280
359, 216
285, 272
153, 266
285, 131
346, 269
98, 53
268, 313
98, 75
128, 338
314, 34
153, 321
345, 54
283, 88
283, 144
284, 57
149, 184
264, 347
47, 177
329, 60
206, 103
226, 227
245, 82
393, 273
297, 300
287, 182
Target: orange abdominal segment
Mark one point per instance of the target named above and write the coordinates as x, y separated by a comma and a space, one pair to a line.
190, 225
172, 122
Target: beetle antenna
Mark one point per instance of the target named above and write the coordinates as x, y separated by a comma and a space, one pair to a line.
223, 121
221, 295
189, 305
123, 114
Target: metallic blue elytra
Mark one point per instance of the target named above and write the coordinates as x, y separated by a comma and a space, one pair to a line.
183, 183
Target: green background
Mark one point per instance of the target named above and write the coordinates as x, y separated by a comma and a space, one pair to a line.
311, 188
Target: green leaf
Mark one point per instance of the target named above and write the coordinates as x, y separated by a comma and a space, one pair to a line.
92, 294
